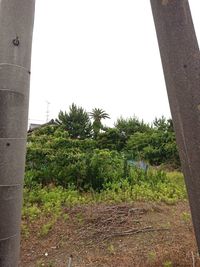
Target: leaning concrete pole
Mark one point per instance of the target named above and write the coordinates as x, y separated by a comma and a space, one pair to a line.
181, 63
16, 26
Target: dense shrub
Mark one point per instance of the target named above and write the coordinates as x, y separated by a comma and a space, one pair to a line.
59, 160
104, 166
53, 157
156, 147
130, 126
139, 185
151, 185
111, 139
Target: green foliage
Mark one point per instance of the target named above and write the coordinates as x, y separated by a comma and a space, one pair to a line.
105, 176
46, 129
111, 139
64, 167
76, 122
139, 185
98, 115
167, 264
104, 166
31, 212
186, 217
139, 141
46, 228
48, 201
58, 160
162, 124
155, 144
130, 126
152, 257
25, 230
111, 249
156, 147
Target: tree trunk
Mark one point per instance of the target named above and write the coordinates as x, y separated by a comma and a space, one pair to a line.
181, 63
16, 26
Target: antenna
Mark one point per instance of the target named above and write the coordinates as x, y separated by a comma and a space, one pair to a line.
47, 112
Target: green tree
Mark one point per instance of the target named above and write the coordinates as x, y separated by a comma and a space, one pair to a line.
163, 124
131, 125
76, 122
55, 158
98, 115
111, 139
157, 147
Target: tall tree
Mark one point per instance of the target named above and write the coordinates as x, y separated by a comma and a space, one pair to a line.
16, 26
163, 124
98, 115
76, 122
131, 125
111, 139
181, 63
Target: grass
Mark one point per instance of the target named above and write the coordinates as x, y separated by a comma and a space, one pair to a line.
56, 219
154, 186
46, 228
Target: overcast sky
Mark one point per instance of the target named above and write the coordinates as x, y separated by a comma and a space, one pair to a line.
98, 53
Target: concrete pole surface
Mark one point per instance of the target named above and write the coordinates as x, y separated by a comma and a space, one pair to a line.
181, 64
16, 27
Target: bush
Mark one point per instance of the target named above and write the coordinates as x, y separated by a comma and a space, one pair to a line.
153, 186
104, 166
54, 158
156, 147
58, 160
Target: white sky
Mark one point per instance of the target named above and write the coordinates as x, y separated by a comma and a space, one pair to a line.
98, 53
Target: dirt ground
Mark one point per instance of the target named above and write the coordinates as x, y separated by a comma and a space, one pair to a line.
125, 235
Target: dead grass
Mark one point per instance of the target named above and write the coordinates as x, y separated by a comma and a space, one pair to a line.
125, 235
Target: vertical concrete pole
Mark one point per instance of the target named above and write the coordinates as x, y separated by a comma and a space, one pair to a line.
16, 26
181, 64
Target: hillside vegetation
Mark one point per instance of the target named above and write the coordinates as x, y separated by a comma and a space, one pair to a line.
74, 162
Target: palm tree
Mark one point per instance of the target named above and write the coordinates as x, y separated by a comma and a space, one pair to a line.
15, 55
97, 115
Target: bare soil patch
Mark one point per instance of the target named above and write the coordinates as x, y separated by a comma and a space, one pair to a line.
125, 235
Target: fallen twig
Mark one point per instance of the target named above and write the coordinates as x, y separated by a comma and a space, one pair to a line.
193, 259
137, 231
70, 261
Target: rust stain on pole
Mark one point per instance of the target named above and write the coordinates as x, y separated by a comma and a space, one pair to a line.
181, 64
